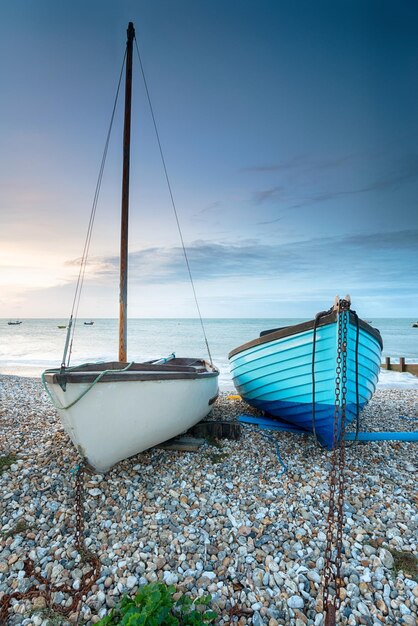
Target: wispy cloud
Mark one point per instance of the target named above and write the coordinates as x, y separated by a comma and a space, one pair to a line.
214, 209
405, 171
302, 163
267, 194
281, 166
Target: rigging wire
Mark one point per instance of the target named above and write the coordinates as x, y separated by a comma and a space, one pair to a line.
83, 263
172, 202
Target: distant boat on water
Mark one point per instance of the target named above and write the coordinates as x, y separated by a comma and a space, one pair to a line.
89, 323
291, 373
414, 324
15, 323
62, 326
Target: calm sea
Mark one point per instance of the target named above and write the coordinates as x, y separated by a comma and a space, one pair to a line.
37, 344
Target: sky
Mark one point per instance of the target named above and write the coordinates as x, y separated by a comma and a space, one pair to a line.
289, 130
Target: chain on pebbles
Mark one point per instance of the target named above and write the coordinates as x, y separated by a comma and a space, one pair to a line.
223, 521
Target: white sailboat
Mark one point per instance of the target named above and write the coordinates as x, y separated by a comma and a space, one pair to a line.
114, 410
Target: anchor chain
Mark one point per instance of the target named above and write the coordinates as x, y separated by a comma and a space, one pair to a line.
87, 557
335, 518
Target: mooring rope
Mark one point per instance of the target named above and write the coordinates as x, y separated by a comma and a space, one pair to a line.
318, 316
357, 341
61, 407
172, 201
356, 379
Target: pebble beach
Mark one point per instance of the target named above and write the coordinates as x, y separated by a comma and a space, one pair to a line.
227, 520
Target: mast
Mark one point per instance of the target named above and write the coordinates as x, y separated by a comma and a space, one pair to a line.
123, 291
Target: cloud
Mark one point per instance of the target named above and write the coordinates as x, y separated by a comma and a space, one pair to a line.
397, 240
207, 260
288, 277
382, 255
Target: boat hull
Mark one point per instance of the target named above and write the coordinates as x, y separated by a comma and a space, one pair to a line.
275, 373
128, 412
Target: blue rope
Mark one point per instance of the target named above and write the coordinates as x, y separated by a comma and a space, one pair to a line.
405, 417
276, 443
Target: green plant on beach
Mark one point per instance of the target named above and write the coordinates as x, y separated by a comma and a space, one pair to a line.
218, 458
6, 461
51, 617
21, 527
405, 562
213, 441
154, 605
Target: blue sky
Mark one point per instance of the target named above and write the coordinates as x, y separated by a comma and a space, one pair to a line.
290, 134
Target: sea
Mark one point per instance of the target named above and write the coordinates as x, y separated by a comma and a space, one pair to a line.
38, 344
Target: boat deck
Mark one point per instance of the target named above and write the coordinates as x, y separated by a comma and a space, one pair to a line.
175, 369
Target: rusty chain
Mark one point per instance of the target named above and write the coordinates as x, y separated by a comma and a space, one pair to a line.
332, 569
45, 588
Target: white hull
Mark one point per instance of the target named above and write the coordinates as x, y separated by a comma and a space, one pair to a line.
116, 420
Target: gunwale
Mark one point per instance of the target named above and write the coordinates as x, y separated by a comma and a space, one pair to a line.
296, 329
181, 369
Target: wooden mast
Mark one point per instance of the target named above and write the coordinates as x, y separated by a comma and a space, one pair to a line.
123, 291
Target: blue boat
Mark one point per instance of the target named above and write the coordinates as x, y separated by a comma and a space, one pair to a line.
290, 373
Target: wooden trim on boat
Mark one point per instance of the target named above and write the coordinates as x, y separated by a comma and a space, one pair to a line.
177, 369
114, 377
288, 331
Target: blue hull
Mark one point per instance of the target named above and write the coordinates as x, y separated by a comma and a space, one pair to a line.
274, 373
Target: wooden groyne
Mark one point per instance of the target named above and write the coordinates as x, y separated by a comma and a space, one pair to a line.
411, 368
